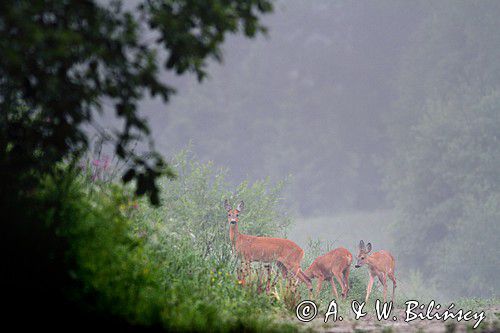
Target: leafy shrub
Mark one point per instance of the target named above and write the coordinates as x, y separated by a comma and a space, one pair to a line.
189, 237
192, 208
109, 262
168, 268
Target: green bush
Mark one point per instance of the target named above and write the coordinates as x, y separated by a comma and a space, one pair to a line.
109, 262
168, 268
189, 237
192, 209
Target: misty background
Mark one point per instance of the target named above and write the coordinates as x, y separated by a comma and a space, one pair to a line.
386, 115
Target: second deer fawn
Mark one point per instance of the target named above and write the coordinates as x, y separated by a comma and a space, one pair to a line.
285, 253
381, 264
335, 263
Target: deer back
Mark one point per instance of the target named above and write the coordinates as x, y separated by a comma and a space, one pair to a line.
335, 260
268, 249
382, 261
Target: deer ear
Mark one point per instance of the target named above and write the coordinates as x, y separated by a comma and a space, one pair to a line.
240, 206
227, 206
361, 245
368, 247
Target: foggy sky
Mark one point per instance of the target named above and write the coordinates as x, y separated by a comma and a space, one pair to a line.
328, 65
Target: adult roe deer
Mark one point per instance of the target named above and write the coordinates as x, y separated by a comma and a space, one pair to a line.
380, 264
335, 263
285, 253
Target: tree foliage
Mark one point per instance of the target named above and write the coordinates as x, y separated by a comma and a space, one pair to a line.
64, 61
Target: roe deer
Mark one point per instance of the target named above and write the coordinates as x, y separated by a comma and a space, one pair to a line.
335, 263
285, 253
380, 264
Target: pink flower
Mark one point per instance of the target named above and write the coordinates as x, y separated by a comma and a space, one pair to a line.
105, 162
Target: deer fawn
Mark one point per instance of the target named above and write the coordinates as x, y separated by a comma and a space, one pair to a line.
381, 264
335, 263
285, 253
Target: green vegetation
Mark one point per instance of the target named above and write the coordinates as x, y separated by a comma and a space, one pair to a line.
119, 257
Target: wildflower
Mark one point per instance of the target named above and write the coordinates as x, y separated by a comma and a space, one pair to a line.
105, 162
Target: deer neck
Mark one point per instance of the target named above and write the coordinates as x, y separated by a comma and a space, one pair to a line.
371, 263
233, 233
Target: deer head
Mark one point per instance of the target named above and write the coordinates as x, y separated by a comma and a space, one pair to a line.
363, 253
233, 214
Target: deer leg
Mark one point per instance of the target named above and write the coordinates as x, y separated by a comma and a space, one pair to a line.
346, 281
240, 272
248, 271
284, 271
332, 282
383, 279
268, 284
295, 274
340, 279
260, 282
302, 277
393, 278
307, 281
275, 280
244, 270
318, 286
369, 287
